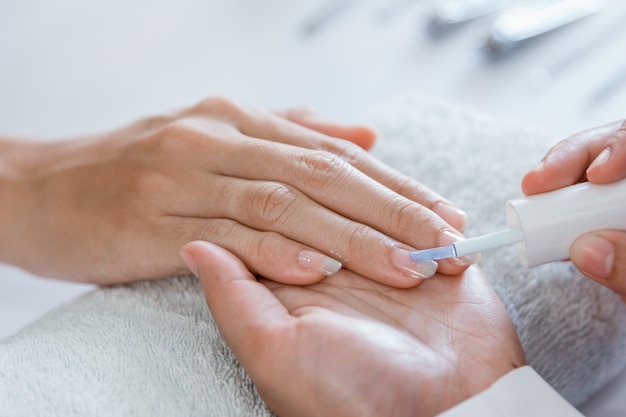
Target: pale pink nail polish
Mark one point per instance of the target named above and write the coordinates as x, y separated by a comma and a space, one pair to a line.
315, 261
418, 270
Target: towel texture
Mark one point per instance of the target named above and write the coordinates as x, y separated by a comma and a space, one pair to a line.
152, 349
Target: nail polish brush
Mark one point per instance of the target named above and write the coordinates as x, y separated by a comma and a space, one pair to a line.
542, 227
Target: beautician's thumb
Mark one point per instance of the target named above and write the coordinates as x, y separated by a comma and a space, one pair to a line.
601, 256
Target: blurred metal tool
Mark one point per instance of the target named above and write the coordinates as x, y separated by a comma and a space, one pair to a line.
520, 24
392, 9
448, 14
610, 87
542, 77
323, 16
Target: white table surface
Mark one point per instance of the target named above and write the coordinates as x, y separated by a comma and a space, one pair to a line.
69, 67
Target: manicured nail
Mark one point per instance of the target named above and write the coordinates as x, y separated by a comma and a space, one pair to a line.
449, 237
417, 270
600, 159
456, 217
189, 261
594, 255
315, 261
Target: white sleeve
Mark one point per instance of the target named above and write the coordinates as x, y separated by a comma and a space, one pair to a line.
520, 393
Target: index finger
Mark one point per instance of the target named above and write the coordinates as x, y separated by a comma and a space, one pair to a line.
337, 209
567, 162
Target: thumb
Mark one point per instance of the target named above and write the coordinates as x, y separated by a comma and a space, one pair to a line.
215, 267
241, 306
601, 256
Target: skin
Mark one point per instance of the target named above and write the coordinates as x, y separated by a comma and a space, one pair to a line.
349, 346
597, 155
260, 184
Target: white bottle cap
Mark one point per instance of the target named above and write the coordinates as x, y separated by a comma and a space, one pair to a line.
552, 221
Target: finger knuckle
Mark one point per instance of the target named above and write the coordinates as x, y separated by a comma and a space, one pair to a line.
406, 186
268, 247
220, 105
271, 203
356, 240
402, 215
170, 134
217, 230
345, 150
153, 123
320, 169
184, 137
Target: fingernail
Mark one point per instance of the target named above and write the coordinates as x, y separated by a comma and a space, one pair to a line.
593, 255
315, 261
189, 261
600, 159
449, 237
418, 270
456, 217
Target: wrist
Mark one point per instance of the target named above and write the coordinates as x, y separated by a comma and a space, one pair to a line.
17, 161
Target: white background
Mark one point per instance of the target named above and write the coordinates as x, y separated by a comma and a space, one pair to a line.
69, 67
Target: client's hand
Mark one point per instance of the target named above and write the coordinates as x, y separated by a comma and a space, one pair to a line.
348, 346
599, 156
291, 201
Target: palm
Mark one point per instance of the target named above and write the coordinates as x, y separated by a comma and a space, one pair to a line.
348, 346
390, 351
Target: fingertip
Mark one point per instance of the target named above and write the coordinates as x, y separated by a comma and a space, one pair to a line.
453, 215
415, 271
593, 255
188, 253
532, 180
542, 178
205, 258
364, 136
600, 256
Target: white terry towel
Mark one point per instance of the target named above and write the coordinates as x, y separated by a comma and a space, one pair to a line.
152, 349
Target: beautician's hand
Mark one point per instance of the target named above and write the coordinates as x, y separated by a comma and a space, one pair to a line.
599, 156
348, 346
279, 192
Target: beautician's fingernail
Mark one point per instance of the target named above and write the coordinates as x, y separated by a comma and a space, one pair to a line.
456, 217
315, 261
417, 270
189, 261
447, 238
600, 159
594, 255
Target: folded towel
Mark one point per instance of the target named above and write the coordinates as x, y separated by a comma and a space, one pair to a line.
151, 348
